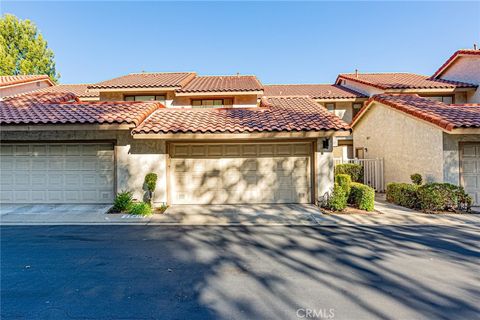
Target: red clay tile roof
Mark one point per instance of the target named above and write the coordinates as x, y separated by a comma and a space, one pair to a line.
314, 91
13, 112
445, 116
33, 98
458, 53
222, 84
147, 80
80, 90
399, 80
291, 114
11, 80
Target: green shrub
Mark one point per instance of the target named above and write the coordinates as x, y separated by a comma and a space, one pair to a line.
443, 197
362, 196
344, 181
338, 199
151, 181
122, 201
416, 179
355, 171
403, 194
141, 209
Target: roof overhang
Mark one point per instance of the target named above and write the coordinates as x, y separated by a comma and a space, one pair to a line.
464, 131
219, 93
66, 127
243, 136
432, 90
359, 99
28, 82
125, 89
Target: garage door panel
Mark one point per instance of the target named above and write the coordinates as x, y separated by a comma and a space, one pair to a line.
57, 173
240, 173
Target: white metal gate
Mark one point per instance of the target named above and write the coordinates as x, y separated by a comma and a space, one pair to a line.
372, 171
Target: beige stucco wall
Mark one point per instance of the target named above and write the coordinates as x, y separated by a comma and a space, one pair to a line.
451, 156
466, 69
343, 110
134, 158
23, 87
407, 145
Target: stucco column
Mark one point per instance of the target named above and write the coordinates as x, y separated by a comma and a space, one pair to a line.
137, 158
324, 168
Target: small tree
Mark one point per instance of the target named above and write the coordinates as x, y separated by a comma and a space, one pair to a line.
416, 178
150, 184
23, 50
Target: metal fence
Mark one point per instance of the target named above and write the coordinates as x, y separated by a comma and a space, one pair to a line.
373, 175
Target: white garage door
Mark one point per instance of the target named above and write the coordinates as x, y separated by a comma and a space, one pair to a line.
470, 168
240, 173
57, 173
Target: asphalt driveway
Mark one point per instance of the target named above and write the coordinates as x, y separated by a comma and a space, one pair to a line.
164, 272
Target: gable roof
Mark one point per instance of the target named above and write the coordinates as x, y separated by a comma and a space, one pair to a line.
19, 79
53, 108
453, 57
222, 84
146, 80
314, 91
400, 80
445, 116
80, 90
290, 114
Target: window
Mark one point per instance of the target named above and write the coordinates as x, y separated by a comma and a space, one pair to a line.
212, 103
160, 98
330, 106
356, 108
444, 99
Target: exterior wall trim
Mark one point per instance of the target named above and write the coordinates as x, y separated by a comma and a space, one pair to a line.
239, 136
67, 127
218, 93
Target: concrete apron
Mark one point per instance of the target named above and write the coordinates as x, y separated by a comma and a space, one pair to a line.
249, 215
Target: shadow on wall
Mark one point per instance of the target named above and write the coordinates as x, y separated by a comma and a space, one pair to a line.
247, 181
244, 272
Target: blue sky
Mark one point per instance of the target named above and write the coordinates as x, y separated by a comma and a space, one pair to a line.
280, 42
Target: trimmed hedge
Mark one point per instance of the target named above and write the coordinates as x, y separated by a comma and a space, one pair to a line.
355, 171
443, 197
362, 196
403, 194
338, 200
344, 181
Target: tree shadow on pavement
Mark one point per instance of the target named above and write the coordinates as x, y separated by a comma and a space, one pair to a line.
159, 272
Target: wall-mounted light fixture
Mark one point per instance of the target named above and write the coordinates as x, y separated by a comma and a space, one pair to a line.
326, 143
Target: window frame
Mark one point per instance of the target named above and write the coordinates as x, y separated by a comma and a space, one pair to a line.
145, 95
213, 105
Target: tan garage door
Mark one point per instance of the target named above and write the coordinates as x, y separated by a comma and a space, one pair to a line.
470, 170
57, 173
240, 173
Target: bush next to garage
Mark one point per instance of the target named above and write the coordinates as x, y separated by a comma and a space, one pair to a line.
141, 209
403, 194
122, 201
362, 196
355, 171
344, 181
443, 197
337, 201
